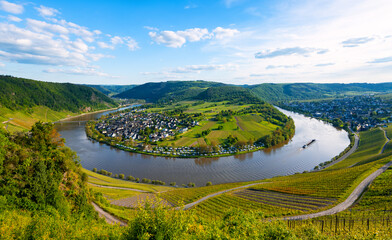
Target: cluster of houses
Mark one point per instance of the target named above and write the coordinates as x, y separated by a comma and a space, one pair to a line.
138, 125
194, 151
362, 112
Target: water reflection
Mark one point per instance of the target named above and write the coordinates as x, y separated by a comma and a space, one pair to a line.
287, 158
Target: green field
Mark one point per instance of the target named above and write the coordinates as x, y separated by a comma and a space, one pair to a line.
244, 127
100, 179
23, 120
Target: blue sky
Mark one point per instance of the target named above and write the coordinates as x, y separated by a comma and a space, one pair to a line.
230, 41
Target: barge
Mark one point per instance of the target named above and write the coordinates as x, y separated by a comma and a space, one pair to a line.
309, 143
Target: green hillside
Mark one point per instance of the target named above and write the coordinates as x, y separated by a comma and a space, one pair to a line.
302, 91
111, 90
168, 91
20, 93
24, 102
228, 93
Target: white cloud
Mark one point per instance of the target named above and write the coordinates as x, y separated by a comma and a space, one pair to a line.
116, 40
168, 38
11, 7
289, 51
90, 71
41, 26
105, 45
151, 28
14, 19
179, 38
2, 64
47, 11
221, 33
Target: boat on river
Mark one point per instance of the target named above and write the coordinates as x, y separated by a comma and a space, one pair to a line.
309, 143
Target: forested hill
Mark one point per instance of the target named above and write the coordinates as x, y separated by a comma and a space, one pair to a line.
111, 90
20, 94
228, 93
301, 91
168, 91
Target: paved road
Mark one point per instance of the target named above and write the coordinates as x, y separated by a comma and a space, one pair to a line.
189, 205
351, 151
122, 188
349, 201
108, 217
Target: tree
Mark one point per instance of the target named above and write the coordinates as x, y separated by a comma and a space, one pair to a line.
209, 184
95, 170
121, 176
173, 184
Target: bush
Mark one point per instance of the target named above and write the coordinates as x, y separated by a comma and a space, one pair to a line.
173, 184
146, 180
121, 176
131, 178
94, 169
209, 184
191, 184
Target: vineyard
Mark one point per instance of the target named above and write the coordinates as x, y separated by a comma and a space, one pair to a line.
370, 144
217, 207
327, 184
188, 195
296, 202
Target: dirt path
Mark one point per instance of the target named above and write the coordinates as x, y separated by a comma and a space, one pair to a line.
238, 124
122, 188
351, 151
386, 137
349, 201
189, 205
108, 217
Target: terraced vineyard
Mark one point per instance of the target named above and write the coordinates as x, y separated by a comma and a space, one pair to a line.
140, 200
216, 207
370, 144
327, 184
188, 195
296, 202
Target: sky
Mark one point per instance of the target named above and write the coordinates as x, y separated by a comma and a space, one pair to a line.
230, 41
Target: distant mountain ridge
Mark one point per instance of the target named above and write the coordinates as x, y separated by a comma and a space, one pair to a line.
20, 93
168, 91
302, 91
111, 89
270, 92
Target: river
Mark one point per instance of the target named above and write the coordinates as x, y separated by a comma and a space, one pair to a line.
282, 160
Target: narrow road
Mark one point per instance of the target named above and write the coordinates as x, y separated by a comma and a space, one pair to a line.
122, 188
108, 217
351, 151
189, 205
349, 201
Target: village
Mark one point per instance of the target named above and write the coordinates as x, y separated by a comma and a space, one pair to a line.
143, 129
143, 126
361, 112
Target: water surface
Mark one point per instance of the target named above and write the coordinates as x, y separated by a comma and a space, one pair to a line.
282, 160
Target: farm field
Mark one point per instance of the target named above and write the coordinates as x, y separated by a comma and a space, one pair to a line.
318, 184
188, 195
100, 179
217, 207
244, 127
23, 120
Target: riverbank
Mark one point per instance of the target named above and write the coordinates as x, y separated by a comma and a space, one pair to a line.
95, 112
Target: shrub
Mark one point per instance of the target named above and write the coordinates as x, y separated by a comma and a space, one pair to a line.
173, 184
209, 184
121, 176
131, 178
94, 169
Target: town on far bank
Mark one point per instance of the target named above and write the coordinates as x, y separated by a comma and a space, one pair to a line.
358, 113
193, 129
